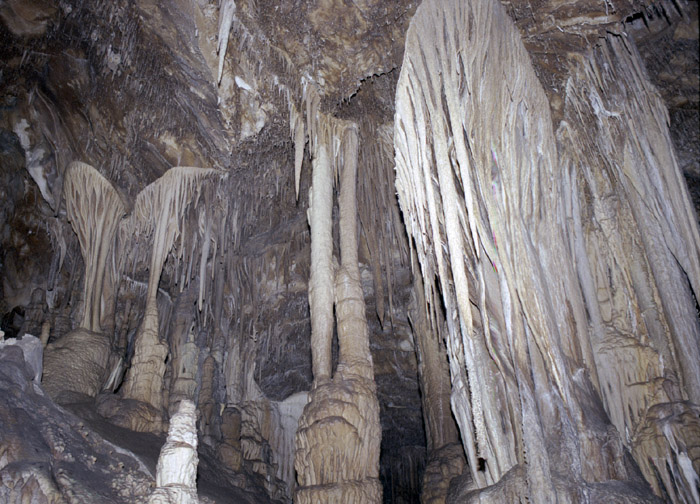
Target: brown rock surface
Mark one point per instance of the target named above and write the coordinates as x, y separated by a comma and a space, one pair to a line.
534, 297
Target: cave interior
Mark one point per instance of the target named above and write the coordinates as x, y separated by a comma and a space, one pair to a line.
336, 251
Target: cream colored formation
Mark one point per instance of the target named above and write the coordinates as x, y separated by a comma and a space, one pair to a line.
176, 476
77, 362
555, 266
337, 442
569, 266
158, 210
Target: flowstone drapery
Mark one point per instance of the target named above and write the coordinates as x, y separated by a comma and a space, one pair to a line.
533, 270
157, 213
338, 438
636, 250
78, 360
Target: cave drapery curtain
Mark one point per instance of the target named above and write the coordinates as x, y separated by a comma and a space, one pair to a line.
560, 251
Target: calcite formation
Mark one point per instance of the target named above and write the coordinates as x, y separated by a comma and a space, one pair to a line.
409, 251
337, 458
505, 196
176, 477
157, 214
77, 363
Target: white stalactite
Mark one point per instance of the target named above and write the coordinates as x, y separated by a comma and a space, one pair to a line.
495, 204
157, 213
321, 288
227, 11
337, 442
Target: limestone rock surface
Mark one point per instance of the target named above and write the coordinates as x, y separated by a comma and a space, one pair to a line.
176, 476
76, 364
49, 455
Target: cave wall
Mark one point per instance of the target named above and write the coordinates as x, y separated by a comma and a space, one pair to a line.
135, 88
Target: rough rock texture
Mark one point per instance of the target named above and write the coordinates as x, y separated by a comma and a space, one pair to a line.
32, 351
75, 364
50, 455
568, 202
510, 196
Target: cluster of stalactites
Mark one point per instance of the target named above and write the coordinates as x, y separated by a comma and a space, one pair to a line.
639, 280
94, 209
483, 183
162, 213
186, 212
452, 177
337, 442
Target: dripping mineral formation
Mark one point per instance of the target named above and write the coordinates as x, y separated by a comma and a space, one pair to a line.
435, 251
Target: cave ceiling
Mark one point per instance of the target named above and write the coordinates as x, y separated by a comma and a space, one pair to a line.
136, 87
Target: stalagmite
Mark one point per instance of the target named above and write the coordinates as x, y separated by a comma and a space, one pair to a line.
491, 199
338, 438
176, 476
157, 214
183, 350
77, 361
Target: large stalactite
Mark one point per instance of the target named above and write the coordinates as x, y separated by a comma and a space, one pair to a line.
495, 203
77, 363
489, 294
157, 214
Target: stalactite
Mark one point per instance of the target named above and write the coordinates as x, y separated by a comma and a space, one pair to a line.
157, 215
485, 185
638, 281
382, 234
286, 419
338, 438
94, 209
321, 288
77, 361
298, 134
227, 10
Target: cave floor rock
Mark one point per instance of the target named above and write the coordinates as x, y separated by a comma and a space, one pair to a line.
58, 454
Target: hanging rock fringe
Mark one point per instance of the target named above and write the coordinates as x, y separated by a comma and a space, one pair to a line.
158, 215
536, 324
